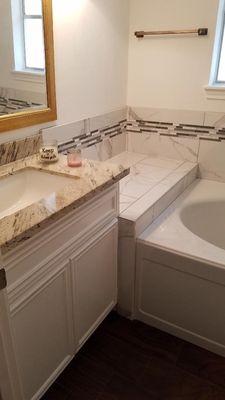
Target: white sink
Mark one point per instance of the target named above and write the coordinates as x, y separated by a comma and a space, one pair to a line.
27, 187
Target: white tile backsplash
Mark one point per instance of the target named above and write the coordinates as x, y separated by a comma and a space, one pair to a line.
212, 160
110, 118
68, 131
163, 151
65, 132
106, 149
155, 145
216, 119
166, 115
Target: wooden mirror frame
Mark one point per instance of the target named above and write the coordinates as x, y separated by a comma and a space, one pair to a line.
34, 117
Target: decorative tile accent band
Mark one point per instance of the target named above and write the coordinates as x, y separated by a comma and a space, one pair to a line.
177, 130
139, 126
19, 149
95, 131
10, 106
94, 137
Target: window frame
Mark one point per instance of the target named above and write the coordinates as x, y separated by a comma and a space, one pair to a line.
27, 17
19, 41
217, 52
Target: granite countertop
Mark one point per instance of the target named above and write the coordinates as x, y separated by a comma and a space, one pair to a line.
92, 178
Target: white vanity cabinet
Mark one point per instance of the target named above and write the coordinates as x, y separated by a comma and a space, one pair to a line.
94, 271
62, 282
42, 329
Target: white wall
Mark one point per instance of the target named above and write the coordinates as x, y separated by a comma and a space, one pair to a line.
91, 54
91, 38
171, 72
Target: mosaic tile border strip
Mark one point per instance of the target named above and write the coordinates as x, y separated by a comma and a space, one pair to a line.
171, 129
176, 130
94, 137
10, 106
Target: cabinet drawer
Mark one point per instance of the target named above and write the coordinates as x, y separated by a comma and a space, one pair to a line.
57, 240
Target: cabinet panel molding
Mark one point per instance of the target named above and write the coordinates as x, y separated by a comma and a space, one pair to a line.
94, 271
43, 332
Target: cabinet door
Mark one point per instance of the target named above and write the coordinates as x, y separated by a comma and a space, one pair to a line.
9, 380
42, 328
95, 282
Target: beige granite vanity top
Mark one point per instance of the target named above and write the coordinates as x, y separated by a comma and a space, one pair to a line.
89, 180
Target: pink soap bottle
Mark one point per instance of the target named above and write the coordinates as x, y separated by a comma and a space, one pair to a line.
74, 158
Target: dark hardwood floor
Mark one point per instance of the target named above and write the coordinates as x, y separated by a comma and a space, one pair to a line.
127, 360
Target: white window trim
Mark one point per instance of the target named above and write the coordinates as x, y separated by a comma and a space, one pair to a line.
19, 69
216, 90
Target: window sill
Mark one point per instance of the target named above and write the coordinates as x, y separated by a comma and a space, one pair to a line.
215, 92
29, 76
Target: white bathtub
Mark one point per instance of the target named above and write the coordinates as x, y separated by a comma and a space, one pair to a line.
180, 283
194, 224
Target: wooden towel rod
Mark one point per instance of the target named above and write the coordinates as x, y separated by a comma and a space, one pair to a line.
199, 32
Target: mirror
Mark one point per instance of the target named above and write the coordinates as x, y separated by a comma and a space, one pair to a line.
27, 78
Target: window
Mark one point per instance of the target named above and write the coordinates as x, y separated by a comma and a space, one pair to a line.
218, 64
28, 37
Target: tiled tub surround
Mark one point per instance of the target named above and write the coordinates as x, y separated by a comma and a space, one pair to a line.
152, 185
193, 136
209, 121
90, 132
182, 255
100, 137
209, 154
89, 180
163, 132
148, 176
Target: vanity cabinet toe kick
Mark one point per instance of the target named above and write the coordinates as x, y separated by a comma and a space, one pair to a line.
62, 282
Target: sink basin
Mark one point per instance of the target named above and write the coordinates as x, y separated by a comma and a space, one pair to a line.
27, 187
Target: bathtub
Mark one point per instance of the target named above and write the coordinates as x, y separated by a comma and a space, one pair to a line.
180, 268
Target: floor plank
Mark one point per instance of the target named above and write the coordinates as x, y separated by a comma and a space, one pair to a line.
130, 360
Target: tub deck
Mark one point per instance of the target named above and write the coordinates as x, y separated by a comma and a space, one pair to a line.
169, 232
152, 185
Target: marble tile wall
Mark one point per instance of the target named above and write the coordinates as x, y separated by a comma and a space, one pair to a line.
211, 160
178, 134
155, 145
87, 131
176, 117
182, 135
100, 138
177, 123
19, 149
